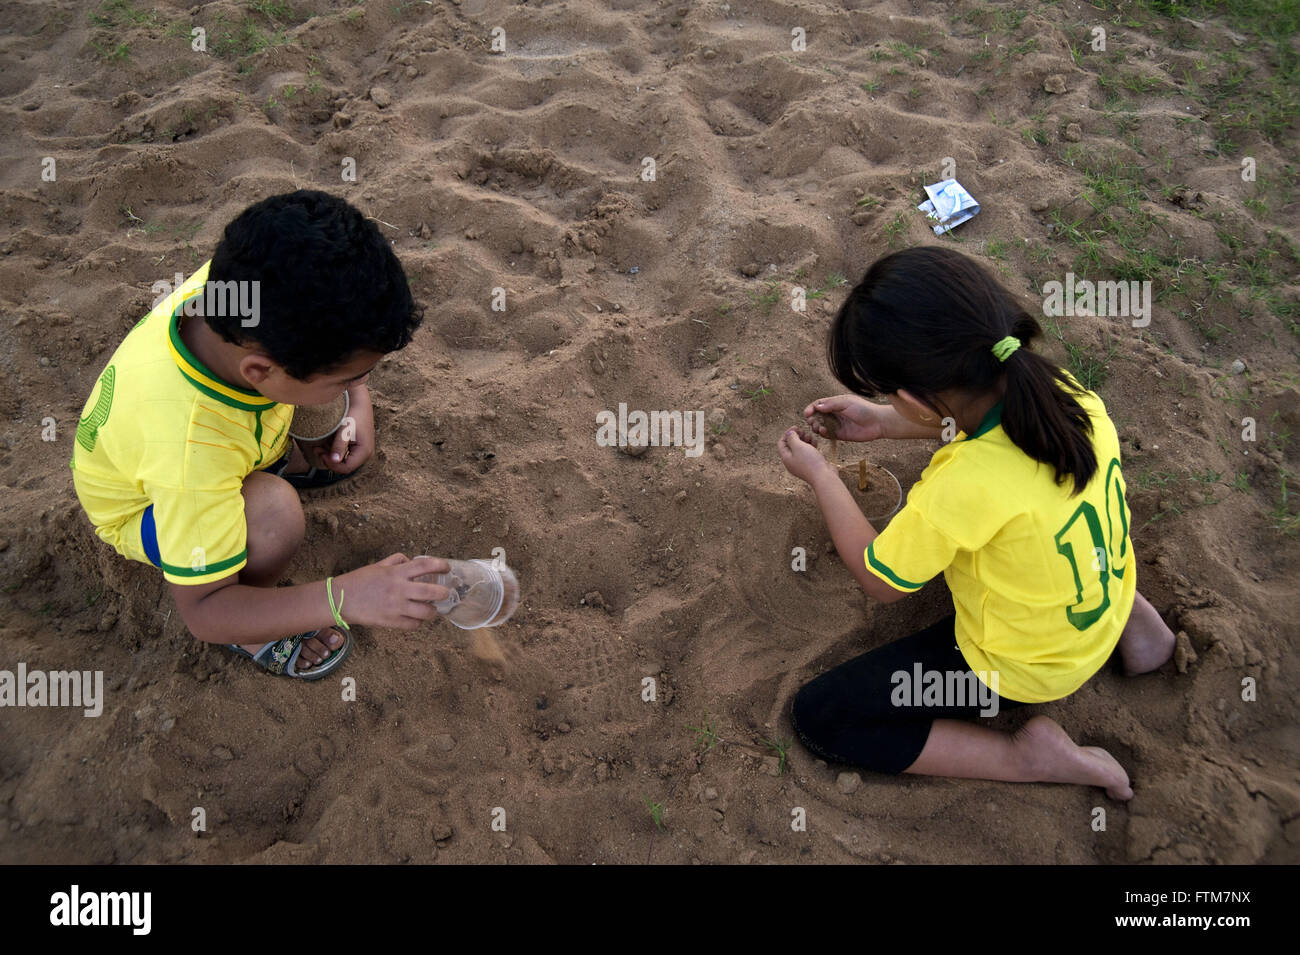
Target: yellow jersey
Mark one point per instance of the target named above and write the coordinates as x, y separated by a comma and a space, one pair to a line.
1042, 582
160, 429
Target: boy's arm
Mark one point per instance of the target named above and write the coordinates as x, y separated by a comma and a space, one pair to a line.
852, 532
385, 594
225, 611
351, 447
362, 412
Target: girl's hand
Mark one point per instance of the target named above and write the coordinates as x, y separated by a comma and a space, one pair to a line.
799, 454
856, 418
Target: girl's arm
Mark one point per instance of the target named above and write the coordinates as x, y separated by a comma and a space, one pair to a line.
852, 532
863, 420
895, 425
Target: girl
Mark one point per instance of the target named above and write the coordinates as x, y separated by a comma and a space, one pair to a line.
1023, 511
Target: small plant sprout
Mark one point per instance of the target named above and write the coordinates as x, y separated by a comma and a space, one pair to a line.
834, 280
770, 295
656, 811
705, 735
896, 229
781, 748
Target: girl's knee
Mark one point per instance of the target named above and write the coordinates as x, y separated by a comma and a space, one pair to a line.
803, 710
877, 744
813, 721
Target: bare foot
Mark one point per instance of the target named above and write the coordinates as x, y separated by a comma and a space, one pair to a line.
313, 650
1052, 757
1146, 644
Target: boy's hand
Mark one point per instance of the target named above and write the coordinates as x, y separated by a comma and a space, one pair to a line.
857, 419
387, 595
354, 442
799, 454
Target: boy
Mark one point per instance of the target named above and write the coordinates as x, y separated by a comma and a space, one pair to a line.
182, 458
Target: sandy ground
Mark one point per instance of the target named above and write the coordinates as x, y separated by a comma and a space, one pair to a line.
522, 170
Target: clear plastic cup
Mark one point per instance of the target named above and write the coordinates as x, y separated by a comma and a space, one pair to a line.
306, 418
884, 509
482, 594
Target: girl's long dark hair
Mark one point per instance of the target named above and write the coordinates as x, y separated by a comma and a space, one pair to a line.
926, 320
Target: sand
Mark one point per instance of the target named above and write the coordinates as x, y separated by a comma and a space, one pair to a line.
879, 499
656, 570
313, 422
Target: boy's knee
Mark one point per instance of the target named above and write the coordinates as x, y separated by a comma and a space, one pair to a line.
272, 509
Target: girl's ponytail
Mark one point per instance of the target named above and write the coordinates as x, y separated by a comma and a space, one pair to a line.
1040, 414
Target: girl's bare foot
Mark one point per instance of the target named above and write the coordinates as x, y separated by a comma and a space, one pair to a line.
1146, 644
1052, 757
313, 650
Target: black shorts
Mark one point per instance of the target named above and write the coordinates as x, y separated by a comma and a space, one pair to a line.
851, 714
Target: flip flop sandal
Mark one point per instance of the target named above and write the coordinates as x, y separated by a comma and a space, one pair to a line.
317, 477
313, 477
279, 657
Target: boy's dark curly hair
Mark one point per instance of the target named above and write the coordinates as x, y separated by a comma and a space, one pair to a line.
330, 285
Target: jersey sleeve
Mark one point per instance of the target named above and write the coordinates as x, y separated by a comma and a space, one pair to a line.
202, 535
910, 551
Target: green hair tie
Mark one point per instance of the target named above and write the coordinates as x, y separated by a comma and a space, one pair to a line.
1004, 348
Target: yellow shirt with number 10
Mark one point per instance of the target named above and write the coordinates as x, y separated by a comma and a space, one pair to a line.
1042, 582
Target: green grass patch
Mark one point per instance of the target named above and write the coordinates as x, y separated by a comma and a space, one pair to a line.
264, 25
1284, 519
1244, 100
112, 14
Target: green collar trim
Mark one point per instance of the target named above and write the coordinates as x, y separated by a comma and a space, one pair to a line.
991, 421
198, 374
